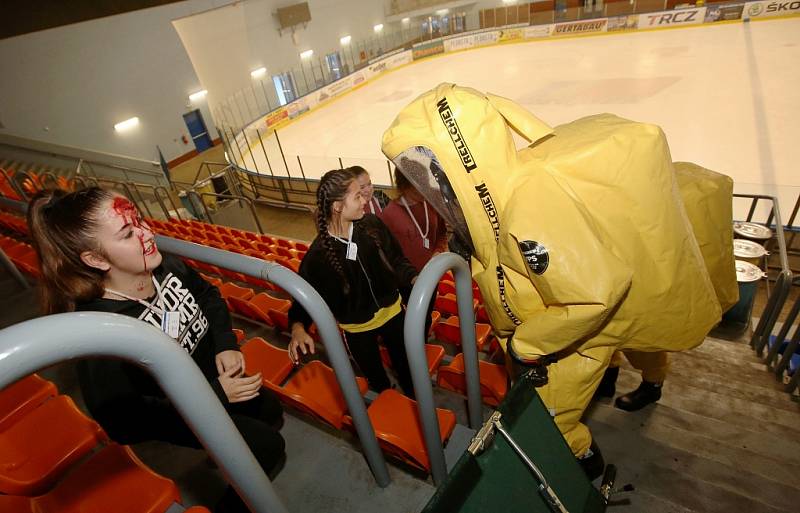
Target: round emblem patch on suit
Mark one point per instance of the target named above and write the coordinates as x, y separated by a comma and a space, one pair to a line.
536, 255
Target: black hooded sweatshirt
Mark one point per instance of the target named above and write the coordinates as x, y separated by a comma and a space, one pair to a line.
373, 283
110, 385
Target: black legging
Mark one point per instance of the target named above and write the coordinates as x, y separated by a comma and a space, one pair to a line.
146, 418
364, 348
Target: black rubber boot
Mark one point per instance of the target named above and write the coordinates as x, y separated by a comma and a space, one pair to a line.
608, 385
646, 393
592, 463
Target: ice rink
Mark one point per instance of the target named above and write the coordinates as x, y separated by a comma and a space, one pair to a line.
727, 97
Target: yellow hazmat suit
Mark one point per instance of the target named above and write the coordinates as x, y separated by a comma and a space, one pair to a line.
708, 199
580, 244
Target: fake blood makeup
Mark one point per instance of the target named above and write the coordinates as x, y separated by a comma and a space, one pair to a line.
124, 208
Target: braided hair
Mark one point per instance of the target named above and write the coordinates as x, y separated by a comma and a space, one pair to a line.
332, 187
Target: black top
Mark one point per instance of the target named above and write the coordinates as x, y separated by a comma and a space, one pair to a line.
373, 284
205, 330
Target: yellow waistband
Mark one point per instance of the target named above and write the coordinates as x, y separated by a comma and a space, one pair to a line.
380, 318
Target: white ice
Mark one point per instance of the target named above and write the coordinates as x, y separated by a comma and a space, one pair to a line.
726, 95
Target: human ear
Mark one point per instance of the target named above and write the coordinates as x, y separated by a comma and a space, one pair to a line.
337, 207
94, 260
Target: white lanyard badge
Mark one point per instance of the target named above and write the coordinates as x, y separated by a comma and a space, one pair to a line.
426, 243
170, 320
352, 247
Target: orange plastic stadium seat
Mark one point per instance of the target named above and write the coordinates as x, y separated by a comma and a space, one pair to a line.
227, 239
240, 336
236, 234
449, 331
113, 479
266, 303
258, 282
221, 230
243, 243
435, 317
482, 316
446, 287
212, 280
196, 232
493, 379
285, 252
265, 248
197, 509
433, 353
301, 247
447, 304
399, 429
315, 391
272, 362
251, 236
284, 243
213, 237
293, 264
231, 289
22, 396
266, 239
44, 442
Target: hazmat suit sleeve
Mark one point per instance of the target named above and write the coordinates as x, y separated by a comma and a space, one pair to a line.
554, 242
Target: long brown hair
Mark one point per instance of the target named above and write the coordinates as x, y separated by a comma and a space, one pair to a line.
63, 225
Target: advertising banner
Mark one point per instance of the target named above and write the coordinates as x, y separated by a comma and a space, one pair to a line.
297, 107
459, 43
579, 27
536, 31
756, 10
723, 12
421, 50
672, 18
511, 34
626, 22
276, 116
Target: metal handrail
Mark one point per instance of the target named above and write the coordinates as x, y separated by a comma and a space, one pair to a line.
240, 199
414, 334
28, 347
13, 184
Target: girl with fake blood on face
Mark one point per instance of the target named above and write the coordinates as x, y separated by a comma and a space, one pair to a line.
98, 254
376, 201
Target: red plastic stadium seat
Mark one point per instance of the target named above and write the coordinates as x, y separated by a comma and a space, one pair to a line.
449, 331
272, 362
447, 304
22, 396
43, 443
112, 480
212, 280
399, 429
232, 290
446, 287
433, 353
435, 317
493, 379
315, 391
240, 336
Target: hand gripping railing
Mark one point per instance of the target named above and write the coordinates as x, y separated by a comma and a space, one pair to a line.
310, 299
414, 334
29, 346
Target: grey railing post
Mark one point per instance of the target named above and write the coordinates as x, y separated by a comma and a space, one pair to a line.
12, 269
310, 299
414, 334
29, 346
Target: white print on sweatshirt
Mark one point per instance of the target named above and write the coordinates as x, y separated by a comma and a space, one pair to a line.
177, 298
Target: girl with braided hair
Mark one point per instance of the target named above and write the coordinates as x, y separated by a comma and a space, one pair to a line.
358, 268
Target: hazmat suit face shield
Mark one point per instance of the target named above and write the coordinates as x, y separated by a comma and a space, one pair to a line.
421, 167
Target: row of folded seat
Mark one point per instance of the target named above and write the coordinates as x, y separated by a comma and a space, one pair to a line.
15, 224
283, 251
267, 309
55, 459
21, 254
31, 184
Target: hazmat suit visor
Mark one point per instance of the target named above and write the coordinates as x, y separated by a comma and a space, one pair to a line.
421, 167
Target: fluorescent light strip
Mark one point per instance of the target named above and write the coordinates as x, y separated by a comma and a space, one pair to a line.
345, 40
378, 27
199, 95
307, 54
127, 124
260, 72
